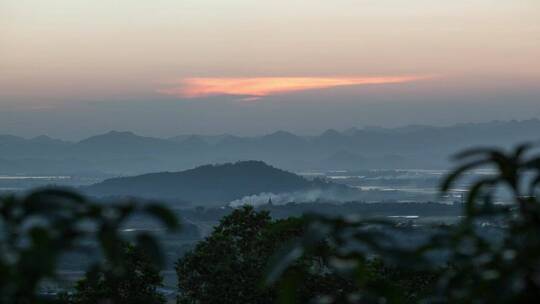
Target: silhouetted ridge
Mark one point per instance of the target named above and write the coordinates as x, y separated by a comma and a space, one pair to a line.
415, 146
124, 143
206, 184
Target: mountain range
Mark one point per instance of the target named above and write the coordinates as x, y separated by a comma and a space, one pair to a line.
125, 153
216, 184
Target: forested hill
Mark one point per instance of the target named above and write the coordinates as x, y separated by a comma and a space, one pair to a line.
209, 183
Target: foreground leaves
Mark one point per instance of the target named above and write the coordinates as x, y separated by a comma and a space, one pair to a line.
491, 256
36, 230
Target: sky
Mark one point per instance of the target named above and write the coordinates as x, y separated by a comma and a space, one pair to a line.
74, 68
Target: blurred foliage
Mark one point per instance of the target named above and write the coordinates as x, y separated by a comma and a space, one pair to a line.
137, 285
37, 229
367, 253
491, 256
229, 265
507, 269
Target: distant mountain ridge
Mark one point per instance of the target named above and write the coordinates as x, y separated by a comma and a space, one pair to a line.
415, 146
211, 184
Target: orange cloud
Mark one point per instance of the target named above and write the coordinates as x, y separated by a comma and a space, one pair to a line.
265, 86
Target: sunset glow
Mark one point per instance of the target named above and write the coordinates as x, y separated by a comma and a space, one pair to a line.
265, 86
165, 67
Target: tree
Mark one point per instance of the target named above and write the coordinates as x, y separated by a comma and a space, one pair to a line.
37, 229
493, 253
505, 269
137, 284
229, 265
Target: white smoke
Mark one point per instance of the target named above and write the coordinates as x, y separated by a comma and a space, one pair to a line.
298, 197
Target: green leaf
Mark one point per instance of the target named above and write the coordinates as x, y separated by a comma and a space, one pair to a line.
150, 247
283, 258
457, 173
164, 214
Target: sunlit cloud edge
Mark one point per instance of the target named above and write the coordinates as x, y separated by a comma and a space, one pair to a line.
253, 88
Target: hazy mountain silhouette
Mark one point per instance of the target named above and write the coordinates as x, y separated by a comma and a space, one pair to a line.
124, 143
414, 146
18, 147
211, 184
209, 139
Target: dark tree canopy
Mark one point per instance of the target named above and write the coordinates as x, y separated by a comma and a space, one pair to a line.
493, 253
323, 258
229, 265
138, 283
